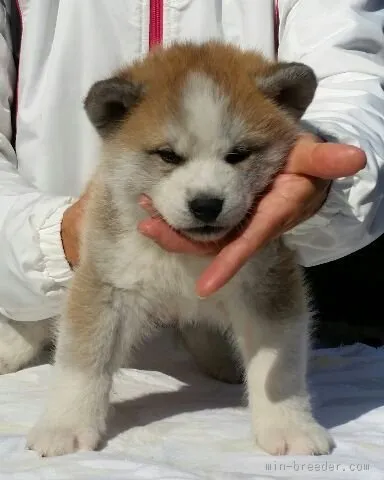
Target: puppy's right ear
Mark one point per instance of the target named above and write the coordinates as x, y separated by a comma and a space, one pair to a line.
291, 85
110, 101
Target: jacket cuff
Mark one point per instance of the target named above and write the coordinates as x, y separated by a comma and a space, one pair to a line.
56, 264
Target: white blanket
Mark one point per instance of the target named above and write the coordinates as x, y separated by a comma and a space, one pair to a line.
171, 422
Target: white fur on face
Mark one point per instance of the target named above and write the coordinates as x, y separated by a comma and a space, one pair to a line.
203, 130
206, 133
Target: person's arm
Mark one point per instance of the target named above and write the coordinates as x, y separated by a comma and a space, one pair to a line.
343, 42
33, 267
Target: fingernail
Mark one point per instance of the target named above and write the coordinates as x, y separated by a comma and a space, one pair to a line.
145, 229
202, 293
206, 289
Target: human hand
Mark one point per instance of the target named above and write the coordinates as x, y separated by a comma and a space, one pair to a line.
71, 225
295, 195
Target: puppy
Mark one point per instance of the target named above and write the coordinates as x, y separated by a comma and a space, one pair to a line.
202, 130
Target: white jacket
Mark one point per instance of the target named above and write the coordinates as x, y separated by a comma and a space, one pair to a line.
69, 44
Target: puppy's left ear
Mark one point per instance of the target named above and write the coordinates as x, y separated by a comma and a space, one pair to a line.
110, 101
290, 85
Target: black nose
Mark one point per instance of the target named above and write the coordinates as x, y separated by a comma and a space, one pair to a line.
206, 209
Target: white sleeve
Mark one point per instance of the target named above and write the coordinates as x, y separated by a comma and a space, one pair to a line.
343, 41
33, 269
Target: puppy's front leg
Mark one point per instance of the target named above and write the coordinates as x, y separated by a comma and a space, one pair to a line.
275, 355
89, 350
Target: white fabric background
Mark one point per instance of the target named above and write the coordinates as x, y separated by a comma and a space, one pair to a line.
173, 423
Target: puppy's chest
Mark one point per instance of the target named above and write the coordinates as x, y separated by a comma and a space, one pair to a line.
138, 262
167, 282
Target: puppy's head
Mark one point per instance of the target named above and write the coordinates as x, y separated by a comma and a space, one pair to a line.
200, 129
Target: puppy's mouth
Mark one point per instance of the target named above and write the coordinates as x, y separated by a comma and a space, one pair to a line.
205, 230
205, 233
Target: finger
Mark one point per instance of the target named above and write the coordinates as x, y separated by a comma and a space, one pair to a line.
279, 211
147, 205
144, 200
171, 240
229, 261
313, 207
325, 160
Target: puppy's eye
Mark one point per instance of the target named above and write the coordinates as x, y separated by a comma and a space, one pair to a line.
238, 154
169, 156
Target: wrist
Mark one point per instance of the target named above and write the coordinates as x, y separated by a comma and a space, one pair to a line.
51, 245
68, 235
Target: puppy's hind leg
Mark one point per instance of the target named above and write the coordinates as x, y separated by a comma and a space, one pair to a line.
21, 342
212, 350
89, 350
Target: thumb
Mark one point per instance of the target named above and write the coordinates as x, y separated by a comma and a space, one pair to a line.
325, 160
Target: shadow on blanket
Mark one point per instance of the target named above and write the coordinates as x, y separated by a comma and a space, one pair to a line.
334, 405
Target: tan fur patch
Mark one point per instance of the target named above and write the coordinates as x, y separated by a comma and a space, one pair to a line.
164, 73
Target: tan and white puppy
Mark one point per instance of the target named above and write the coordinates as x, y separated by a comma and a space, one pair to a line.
202, 130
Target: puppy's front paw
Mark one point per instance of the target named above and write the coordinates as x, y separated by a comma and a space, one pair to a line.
293, 435
50, 440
